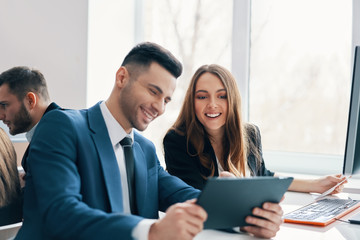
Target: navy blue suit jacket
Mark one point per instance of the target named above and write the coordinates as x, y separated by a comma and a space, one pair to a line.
73, 185
51, 107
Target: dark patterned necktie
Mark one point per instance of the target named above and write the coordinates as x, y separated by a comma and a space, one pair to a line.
126, 143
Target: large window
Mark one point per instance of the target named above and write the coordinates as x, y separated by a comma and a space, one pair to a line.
300, 65
292, 61
197, 32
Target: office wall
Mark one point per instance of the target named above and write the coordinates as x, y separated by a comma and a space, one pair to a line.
78, 46
110, 38
52, 37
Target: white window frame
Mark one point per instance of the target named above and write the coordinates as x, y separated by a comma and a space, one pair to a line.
290, 162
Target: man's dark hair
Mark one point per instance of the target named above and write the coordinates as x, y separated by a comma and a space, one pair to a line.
143, 54
22, 80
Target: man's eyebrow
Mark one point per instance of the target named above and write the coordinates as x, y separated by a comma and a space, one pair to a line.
157, 88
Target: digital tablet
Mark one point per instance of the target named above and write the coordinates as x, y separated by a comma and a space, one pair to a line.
228, 201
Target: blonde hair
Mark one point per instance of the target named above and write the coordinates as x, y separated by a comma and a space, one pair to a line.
235, 143
9, 177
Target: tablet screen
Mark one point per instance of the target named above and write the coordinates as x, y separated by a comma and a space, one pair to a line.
228, 201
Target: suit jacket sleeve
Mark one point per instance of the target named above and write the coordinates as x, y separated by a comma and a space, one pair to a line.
180, 163
170, 189
257, 166
56, 183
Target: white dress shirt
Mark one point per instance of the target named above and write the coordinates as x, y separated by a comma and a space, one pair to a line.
30, 133
116, 134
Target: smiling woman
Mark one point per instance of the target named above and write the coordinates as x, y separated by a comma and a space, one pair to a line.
210, 137
210, 122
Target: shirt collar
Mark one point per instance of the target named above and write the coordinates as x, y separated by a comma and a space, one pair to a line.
116, 132
30, 133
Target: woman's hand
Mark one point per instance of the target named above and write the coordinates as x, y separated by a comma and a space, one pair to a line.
226, 174
325, 183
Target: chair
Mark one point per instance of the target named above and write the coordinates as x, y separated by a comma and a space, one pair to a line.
9, 232
10, 219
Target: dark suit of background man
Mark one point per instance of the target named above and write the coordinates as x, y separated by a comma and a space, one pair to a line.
76, 185
24, 99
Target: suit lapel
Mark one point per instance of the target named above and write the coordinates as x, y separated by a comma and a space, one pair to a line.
107, 158
140, 176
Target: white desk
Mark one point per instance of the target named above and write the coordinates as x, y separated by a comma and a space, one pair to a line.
337, 230
334, 231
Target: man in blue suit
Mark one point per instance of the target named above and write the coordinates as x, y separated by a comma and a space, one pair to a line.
76, 183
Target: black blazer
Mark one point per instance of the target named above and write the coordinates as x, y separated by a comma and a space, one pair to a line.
181, 163
51, 107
